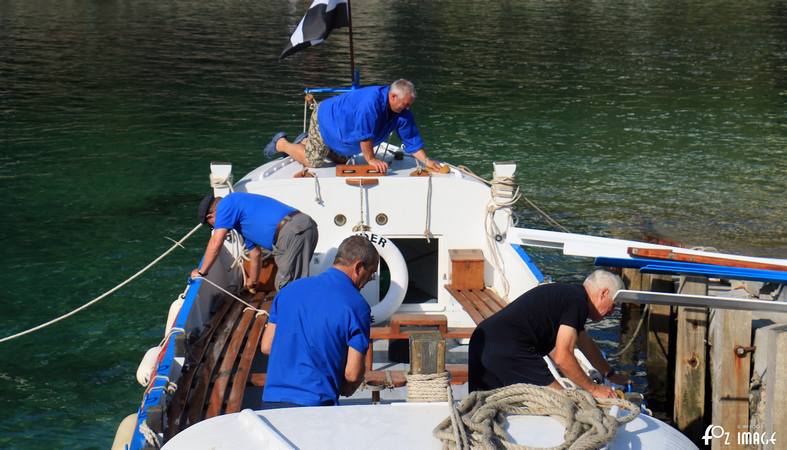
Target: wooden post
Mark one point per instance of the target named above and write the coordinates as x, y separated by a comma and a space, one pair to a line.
660, 324
730, 372
690, 365
427, 352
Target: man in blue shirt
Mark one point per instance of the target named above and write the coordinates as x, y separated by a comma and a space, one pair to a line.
318, 332
288, 234
356, 122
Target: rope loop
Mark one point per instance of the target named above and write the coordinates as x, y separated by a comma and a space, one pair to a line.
479, 421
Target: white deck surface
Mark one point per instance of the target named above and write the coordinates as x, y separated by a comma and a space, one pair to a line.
388, 426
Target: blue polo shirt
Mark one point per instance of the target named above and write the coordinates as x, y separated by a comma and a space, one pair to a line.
254, 216
348, 119
317, 319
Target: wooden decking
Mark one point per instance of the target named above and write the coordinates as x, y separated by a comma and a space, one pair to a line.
480, 304
217, 368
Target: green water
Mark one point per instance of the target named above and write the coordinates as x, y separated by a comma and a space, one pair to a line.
619, 114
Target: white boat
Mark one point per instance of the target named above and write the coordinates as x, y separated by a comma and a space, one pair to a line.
208, 371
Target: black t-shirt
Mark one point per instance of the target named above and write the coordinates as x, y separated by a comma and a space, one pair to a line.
529, 324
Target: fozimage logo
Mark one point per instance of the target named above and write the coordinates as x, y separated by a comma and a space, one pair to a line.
742, 438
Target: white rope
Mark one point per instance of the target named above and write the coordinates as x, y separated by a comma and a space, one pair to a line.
171, 332
259, 311
482, 417
427, 232
317, 190
361, 226
151, 437
428, 387
634, 336
106, 294
505, 193
217, 181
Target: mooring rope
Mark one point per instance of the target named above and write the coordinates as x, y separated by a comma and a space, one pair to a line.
428, 387
248, 305
634, 336
481, 417
107, 293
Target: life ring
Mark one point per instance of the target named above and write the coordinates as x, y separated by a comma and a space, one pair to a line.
399, 276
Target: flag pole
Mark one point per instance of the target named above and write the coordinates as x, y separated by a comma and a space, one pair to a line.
352, 52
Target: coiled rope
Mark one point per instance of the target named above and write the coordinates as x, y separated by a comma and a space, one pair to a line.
428, 387
479, 420
107, 293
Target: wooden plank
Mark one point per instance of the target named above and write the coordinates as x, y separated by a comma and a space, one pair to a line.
660, 326
209, 365
472, 296
362, 181
690, 365
730, 373
427, 352
702, 259
493, 295
418, 320
250, 349
459, 332
344, 170
482, 297
193, 360
466, 304
379, 378
228, 362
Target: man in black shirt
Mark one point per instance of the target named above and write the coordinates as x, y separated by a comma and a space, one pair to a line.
508, 347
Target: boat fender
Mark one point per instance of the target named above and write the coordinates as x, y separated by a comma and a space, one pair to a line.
399, 276
174, 309
145, 368
125, 432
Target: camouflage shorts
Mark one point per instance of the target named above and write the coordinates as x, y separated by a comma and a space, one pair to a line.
316, 150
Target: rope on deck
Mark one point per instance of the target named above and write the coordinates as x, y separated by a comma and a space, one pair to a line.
107, 293
427, 387
479, 420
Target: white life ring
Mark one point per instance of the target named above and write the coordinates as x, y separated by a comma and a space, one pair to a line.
399, 277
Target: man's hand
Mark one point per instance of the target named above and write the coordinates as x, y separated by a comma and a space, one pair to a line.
381, 166
195, 273
433, 165
600, 391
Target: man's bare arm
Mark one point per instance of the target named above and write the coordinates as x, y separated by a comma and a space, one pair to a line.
354, 372
563, 355
254, 268
211, 251
267, 338
590, 349
368, 153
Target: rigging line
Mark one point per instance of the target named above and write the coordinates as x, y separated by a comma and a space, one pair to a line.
249, 305
106, 294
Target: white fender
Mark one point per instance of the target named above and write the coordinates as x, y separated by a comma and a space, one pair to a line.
399, 276
147, 364
124, 432
174, 309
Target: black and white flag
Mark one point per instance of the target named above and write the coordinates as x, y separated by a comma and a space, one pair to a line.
321, 18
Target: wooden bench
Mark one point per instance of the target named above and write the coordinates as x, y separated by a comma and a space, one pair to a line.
480, 304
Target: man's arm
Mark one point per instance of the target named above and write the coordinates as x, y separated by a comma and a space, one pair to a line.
211, 251
254, 268
354, 372
267, 338
429, 163
368, 153
563, 355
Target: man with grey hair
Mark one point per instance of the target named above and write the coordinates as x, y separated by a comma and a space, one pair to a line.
318, 332
355, 122
509, 347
